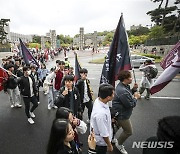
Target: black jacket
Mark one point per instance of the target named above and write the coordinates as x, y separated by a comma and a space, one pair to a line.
80, 87
64, 101
11, 83
24, 86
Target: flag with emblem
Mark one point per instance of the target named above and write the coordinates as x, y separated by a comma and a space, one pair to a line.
117, 58
171, 64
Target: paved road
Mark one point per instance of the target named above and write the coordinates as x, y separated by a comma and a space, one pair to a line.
18, 137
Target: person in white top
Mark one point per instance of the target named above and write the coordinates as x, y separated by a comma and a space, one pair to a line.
100, 120
146, 81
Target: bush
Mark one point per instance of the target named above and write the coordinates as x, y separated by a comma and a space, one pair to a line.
151, 56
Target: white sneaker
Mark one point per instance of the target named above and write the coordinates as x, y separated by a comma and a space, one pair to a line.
114, 140
30, 121
18, 105
38, 103
121, 148
55, 107
32, 114
49, 107
12, 106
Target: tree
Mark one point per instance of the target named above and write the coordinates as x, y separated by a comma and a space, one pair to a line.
36, 39
65, 40
156, 32
167, 16
140, 31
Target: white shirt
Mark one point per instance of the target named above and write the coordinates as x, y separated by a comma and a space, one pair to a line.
31, 86
101, 122
86, 97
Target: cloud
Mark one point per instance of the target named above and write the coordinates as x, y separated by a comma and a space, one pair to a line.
66, 17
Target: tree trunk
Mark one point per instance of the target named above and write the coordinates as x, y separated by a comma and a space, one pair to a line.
160, 4
174, 29
164, 14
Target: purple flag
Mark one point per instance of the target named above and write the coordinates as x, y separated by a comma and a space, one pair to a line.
77, 68
172, 68
27, 56
117, 58
171, 57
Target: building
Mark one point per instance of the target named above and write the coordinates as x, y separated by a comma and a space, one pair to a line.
87, 40
133, 27
51, 37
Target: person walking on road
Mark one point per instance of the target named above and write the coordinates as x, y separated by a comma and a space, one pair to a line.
29, 93
147, 78
100, 121
123, 103
11, 88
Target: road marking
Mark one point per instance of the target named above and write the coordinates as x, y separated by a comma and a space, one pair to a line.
163, 97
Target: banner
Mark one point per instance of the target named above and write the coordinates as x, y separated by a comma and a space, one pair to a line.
117, 58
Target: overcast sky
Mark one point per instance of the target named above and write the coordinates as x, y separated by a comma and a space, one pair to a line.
67, 16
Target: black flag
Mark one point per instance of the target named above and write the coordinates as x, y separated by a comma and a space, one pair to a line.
77, 68
117, 58
27, 56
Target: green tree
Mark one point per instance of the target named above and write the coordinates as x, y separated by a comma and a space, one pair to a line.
140, 31
36, 39
167, 16
65, 40
34, 45
156, 32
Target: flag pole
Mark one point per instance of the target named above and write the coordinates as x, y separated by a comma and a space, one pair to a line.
8, 71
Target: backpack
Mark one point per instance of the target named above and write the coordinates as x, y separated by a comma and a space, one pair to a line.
152, 72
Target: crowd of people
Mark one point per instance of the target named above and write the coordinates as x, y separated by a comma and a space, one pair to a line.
70, 99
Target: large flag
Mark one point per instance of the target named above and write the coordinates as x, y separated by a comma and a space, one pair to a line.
171, 64
77, 68
27, 56
117, 58
3, 78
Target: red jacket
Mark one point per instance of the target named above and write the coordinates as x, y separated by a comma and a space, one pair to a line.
58, 79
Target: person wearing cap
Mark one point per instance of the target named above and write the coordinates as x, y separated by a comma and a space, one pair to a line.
167, 137
146, 82
11, 88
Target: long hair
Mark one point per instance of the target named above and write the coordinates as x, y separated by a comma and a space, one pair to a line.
58, 134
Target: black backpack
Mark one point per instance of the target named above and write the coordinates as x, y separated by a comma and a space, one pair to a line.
152, 72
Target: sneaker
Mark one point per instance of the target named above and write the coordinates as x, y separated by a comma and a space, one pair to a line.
114, 140
121, 148
30, 121
49, 107
18, 105
55, 107
38, 103
32, 114
147, 98
12, 106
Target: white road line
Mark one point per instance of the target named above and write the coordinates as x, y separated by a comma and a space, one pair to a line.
164, 97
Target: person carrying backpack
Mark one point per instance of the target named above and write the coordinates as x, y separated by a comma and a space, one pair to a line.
149, 73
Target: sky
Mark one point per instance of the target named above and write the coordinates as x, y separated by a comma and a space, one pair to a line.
67, 16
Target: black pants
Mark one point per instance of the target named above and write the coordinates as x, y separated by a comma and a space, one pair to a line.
101, 149
27, 101
89, 107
